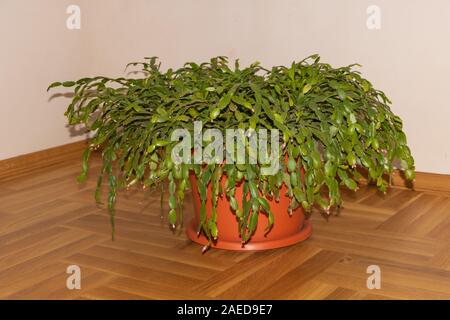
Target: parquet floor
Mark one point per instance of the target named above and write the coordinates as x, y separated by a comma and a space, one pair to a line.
48, 222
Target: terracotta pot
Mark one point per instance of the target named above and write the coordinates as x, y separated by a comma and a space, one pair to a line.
287, 230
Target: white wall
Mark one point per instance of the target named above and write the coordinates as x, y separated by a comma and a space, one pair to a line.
408, 57
36, 49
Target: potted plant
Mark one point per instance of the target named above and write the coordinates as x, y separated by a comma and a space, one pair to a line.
328, 126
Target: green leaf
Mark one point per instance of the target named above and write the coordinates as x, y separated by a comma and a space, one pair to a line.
264, 204
137, 108
253, 189
271, 221
215, 113
278, 118
224, 101
253, 222
341, 94
233, 203
68, 84
410, 174
242, 102
213, 229
299, 195
54, 85
172, 217
306, 88
85, 165
292, 165
294, 179
330, 169
351, 184
351, 159
291, 73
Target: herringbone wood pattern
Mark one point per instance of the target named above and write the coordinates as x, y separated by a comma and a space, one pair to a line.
48, 221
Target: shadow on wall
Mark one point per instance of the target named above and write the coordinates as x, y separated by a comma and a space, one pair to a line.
74, 131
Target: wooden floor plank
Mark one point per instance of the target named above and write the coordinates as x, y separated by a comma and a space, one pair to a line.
151, 291
55, 288
258, 282
190, 258
108, 293
287, 286
159, 264
48, 221
341, 294
399, 281
125, 269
